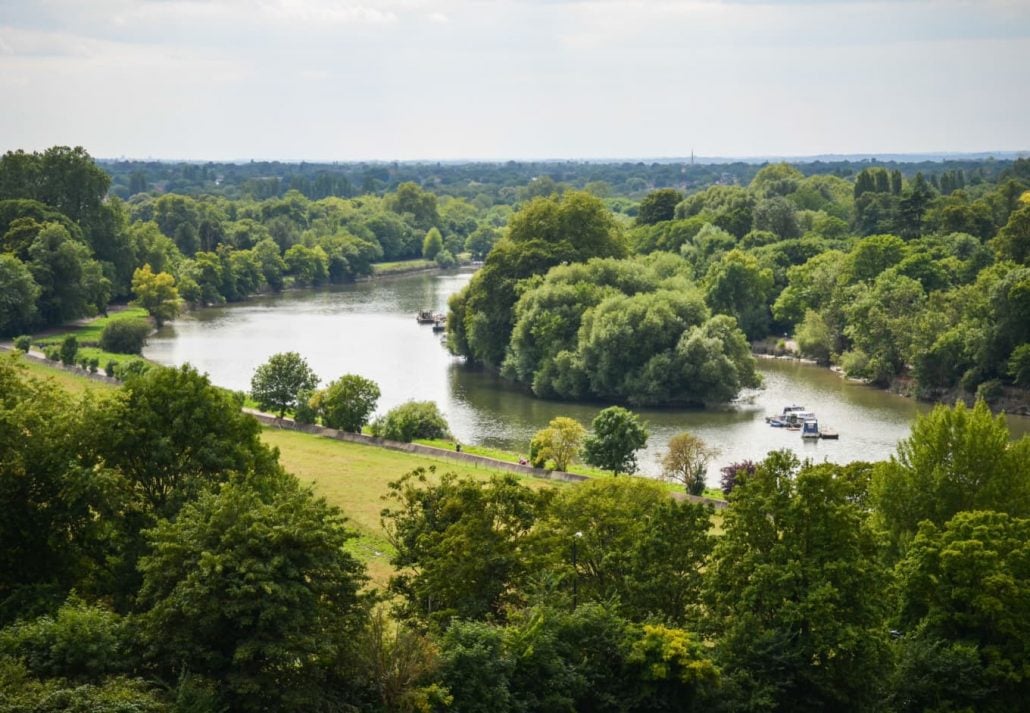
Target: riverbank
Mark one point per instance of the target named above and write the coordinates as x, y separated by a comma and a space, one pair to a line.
1002, 399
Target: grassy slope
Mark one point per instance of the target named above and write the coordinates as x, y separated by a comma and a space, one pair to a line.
69, 381
354, 477
88, 336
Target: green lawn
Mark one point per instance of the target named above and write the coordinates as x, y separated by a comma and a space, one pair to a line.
89, 333
354, 477
385, 268
69, 381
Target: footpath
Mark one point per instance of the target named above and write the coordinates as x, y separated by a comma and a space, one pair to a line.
273, 421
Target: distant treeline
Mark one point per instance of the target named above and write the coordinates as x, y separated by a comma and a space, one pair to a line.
501, 182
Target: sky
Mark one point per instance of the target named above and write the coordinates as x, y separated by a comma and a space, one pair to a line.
336, 80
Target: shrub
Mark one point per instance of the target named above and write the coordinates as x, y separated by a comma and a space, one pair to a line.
69, 349
305, 412
53, 353
110, 367
411, 420
23, 343
445, 259
93, 365
136, 367
989, 390
125, 336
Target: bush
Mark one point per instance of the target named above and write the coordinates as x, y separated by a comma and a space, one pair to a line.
23, 343
125, 336
93, 365
53, 353
989, 390
69, 349
855, 364
305, 412
445, 259
411, 420
110, 367
136, 367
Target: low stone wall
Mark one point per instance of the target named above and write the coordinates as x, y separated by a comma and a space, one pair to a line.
469, 458
70, 368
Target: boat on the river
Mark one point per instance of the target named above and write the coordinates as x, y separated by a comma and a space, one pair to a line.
785, 417
829, 434
810, 429
439, 325
426, 316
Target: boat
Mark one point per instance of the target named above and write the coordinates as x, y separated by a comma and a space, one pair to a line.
796, 419
439, 325
784, 418
425, 316
810, 429
829, 434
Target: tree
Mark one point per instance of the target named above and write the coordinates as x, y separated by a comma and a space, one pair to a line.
738, 286
658, 206
251, 586
956, 459
69, 350
18, 296
814, 337
55, 503
156, 293
686, 462
461, 544
481, 241
558, 443
634, 545
545, 232
347, 403
277, 382
1013, 240
69, 279
616, 436
795, 592
432, 244
964, 615
173, 435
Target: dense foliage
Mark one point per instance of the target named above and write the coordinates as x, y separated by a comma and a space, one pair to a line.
906, 274
157, 558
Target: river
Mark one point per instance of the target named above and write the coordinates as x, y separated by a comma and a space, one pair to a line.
369, 328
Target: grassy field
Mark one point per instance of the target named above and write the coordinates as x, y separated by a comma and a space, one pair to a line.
385, 268
88, 333
354, 477
71, 382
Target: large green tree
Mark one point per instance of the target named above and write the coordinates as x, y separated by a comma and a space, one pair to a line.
347, 403
616, 435
276, 383
545, 232
251, 587
796, 592
17, 297
956, 459
461, 544
965, 616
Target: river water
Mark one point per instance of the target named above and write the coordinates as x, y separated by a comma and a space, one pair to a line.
369, 328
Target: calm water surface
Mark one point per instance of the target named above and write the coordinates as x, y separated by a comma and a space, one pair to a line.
369, 328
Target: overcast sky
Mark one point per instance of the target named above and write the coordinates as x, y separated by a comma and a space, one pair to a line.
497, 79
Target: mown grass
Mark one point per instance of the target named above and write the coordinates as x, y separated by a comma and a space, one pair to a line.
355, 477
88, 333
67, 380
385, 268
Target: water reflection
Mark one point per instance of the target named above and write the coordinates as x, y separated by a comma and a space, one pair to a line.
369, 329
